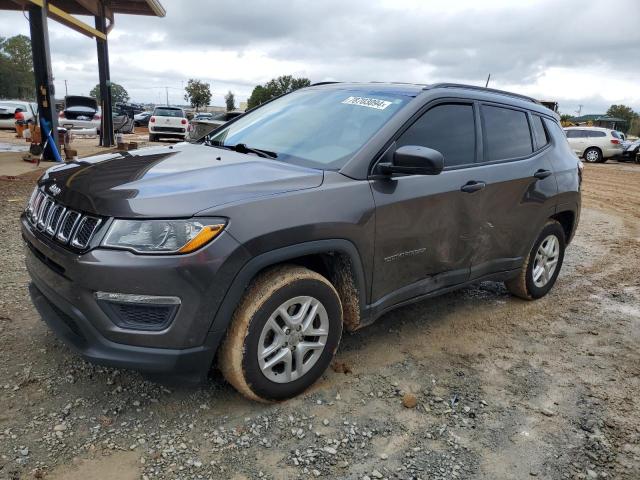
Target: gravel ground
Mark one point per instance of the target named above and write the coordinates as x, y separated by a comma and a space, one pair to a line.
473, 384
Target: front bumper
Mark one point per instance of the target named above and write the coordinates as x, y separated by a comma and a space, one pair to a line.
191, 365
65, 283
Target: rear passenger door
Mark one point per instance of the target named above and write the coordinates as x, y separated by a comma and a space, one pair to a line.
577, 140
516, 170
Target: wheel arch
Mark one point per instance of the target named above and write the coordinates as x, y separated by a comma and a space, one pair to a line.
336, 259
567, 219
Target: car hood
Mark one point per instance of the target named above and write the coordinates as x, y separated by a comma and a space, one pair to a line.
173, 181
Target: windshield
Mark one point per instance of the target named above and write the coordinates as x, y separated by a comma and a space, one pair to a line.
320, 128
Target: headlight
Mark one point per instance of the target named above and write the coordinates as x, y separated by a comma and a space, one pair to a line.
162, 236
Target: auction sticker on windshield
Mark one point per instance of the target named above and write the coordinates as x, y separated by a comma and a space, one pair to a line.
367, 102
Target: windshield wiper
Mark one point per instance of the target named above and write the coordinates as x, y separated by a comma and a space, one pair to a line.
242, 148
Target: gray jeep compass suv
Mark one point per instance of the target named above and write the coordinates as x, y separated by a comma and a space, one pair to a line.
316, 212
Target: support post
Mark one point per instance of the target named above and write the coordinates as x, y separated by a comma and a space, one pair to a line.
106, 131
45, 91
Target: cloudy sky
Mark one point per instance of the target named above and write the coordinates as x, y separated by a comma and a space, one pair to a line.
577, 52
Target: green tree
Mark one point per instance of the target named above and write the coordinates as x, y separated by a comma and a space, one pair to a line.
624, 112
118, 93
198, 93
230, 101
16, 68
274, 88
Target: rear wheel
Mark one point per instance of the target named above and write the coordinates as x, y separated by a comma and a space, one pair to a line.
593, 155
541, 268
283, 334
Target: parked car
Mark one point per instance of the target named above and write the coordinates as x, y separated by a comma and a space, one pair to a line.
594, 144
631, 151
314, 213
8, 111
80, 112
203, 116
168, 122
200, 127
142, 119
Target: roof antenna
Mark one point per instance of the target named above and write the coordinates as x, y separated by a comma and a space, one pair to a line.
487, 84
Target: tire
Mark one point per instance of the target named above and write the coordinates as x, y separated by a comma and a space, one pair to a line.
593, 155
273, 297
525, 285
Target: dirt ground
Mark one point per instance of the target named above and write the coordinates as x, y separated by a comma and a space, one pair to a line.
504, 388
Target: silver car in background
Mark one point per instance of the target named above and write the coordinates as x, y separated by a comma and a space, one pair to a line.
8, 111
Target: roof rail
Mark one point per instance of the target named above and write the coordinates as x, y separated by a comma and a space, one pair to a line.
482, 89
323, 83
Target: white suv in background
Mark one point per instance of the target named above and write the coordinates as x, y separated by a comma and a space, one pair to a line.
594, 144
167, 122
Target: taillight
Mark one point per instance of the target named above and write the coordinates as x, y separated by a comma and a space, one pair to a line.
615, 140
183, 121
61, 115
97, 116
152, 120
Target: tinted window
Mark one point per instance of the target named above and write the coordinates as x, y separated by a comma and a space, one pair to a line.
595, 133
539, 131
450, 129
572, 133
506, 133
615, 134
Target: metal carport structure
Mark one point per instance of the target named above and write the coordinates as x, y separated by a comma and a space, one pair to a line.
63, 11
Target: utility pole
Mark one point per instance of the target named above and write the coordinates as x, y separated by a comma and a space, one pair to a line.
166, 89
579, 111
66, 91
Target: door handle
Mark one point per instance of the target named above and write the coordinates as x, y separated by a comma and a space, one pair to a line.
540, 174
472, 186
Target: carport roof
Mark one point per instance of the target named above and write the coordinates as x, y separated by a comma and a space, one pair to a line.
92, 7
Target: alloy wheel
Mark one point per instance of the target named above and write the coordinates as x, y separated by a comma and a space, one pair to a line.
293, 339
546, 261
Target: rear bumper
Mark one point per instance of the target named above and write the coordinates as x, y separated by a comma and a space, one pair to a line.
191, 365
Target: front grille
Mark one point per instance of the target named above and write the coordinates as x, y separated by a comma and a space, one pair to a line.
56, 221
168, 129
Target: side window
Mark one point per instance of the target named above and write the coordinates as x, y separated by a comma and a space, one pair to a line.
539, 132
595, 133
573, 133
506, 133
448, 128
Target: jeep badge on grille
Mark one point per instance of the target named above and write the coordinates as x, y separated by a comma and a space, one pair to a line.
54, 189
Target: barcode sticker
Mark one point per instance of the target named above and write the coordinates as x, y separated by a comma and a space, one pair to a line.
367, 102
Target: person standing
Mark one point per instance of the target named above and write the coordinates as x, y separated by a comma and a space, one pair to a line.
20, 123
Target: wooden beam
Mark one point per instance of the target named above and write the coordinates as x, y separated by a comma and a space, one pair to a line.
70, 21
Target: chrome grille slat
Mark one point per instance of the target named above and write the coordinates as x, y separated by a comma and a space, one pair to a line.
64, 225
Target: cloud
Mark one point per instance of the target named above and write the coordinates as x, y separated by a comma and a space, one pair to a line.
545, 48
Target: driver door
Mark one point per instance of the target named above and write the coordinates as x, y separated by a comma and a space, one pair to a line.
424, 223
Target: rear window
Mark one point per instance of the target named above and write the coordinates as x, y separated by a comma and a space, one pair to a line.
615, 134
539, 132
506, 133
168, 112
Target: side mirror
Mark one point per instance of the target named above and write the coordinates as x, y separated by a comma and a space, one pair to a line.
414, 160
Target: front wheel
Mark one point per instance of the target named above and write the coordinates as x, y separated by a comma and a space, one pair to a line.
283, 334
541, 268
